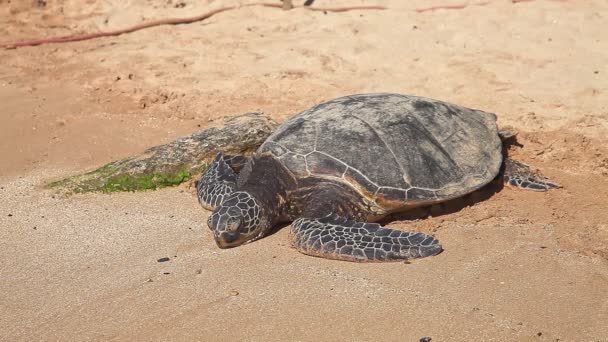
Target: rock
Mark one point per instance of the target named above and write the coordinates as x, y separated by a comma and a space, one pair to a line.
175, 162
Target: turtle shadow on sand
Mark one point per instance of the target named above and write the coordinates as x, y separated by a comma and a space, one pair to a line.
446, 208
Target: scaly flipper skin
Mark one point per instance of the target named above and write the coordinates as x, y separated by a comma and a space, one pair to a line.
219, 180
520, 175
332, 226
334, 237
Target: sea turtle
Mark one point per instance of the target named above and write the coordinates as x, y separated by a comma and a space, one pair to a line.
338, 166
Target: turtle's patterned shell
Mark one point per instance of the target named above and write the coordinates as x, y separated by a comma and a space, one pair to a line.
396, 150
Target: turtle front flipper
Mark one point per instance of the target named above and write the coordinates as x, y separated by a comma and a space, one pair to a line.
334, 237
520, 175
219, 180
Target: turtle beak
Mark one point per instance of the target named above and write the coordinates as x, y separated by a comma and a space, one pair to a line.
228, 240
228, 235
229, 227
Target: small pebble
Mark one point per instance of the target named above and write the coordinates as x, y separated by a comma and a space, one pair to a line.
165, 273
165, 259
234, 293
425, 339
10, 215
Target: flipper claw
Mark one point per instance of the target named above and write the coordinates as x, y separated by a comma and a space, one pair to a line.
520, 175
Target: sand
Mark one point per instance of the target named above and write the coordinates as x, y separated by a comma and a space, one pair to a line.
517, 266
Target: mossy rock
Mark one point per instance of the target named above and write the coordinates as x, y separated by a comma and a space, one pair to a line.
176, 162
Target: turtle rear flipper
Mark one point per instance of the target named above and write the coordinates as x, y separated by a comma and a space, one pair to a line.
334, 237
219, 180
520, 175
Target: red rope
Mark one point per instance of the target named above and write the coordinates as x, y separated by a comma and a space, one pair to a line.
434, 8
173, 21
176, 21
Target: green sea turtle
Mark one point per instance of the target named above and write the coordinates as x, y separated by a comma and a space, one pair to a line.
338, 166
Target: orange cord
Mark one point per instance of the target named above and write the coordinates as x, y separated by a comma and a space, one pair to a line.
176, 21
173, 21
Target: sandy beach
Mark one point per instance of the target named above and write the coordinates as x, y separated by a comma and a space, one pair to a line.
517, 266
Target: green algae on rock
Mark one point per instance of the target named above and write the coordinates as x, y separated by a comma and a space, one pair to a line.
175, 162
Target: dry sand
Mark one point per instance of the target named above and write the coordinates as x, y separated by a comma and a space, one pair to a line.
517, 266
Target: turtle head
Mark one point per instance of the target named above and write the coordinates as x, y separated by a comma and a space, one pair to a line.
239, 219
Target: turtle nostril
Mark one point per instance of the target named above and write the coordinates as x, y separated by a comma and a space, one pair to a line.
229, 237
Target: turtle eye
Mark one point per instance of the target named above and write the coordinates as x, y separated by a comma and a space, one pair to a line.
234, 224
